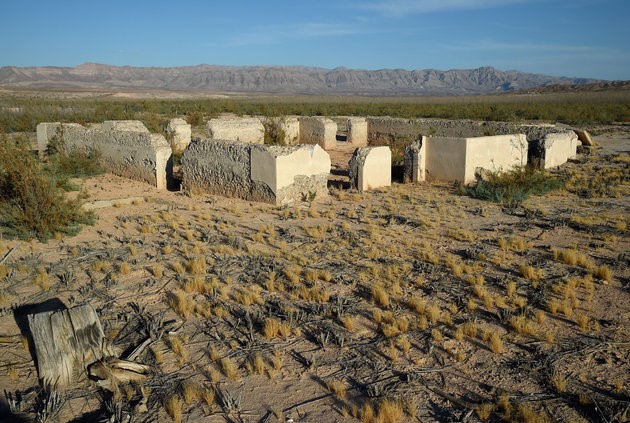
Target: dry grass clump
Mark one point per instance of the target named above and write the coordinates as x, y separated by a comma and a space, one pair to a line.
174, 408
484, 411
380, 296
572, 257
42, 279
603, 273
124, 268
250, 295
229, 368
522, 325
181, 303
337, 387
271, 327
389, 411
192, 392
496, 343
177, 345
530, 273
196, 266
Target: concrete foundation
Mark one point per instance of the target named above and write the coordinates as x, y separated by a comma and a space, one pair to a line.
357, 132
245, 129
47, 131
271, 174
553, 149
135, 155
457, 159
318, 130
179, 132
370, 168
124, 125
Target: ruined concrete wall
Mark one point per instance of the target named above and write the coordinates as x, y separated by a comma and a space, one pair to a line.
386, 130
292, 172
553, 149
179, 133
456, 159
370, 168
47, 131
244, 129
135, 155
271, 174
318, 130
445, 158
497, 153
124, 125
357, 132
415, 161
291, 128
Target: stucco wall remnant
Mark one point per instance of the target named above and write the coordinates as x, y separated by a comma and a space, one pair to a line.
244, 129
370, 168
318, 130
124, 125
271, 174
554, 149
179, 132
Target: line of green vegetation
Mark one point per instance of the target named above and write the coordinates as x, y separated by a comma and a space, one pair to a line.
22, 114
33, 202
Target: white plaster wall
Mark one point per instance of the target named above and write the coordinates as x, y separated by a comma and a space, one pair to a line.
445, 158
494, 153
559, 147
245, 129
357, 132
45, 132
376, 171
280, 171
180, 132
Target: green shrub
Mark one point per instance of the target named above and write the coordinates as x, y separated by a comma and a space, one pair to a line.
274, 134
31, 203
512, 187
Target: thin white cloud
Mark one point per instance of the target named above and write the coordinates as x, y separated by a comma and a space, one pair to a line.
271, 34
494, 46
406, 7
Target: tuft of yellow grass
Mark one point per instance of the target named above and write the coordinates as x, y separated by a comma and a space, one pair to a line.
174, 408
604, 273
229, 368
380, 296
389, 411
191, 392
271, 328
337, 387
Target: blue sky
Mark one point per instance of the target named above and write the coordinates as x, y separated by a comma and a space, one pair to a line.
576, 38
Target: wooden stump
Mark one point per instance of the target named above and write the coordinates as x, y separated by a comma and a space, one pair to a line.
66, 341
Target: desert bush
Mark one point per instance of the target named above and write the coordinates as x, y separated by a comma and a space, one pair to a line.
71, 163
274, 134
31, 203
512, 187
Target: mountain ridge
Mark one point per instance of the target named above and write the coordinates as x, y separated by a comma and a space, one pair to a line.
282, 79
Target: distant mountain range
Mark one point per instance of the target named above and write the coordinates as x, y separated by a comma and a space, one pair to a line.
280, 80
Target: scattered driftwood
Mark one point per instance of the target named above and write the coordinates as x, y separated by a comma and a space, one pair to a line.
110, 371
66, 341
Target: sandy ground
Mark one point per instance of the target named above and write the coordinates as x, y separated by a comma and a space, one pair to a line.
412, 303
